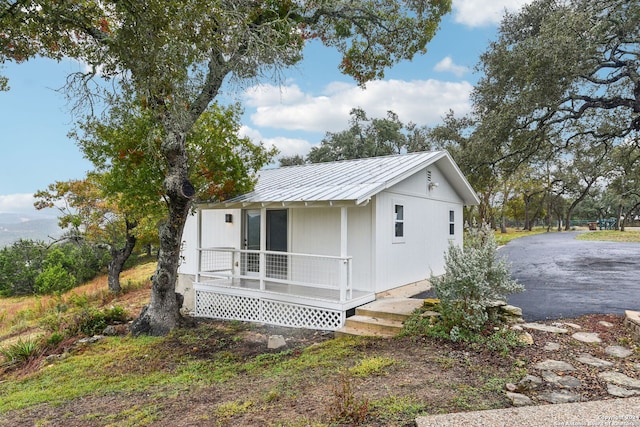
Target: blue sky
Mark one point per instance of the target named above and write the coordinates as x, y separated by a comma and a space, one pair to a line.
314, 98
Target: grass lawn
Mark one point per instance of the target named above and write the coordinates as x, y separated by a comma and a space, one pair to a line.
629, 235
513, 233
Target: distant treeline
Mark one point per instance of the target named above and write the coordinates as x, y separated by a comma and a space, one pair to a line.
30, 267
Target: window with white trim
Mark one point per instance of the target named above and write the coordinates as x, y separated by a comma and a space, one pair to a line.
452, 223
398, 222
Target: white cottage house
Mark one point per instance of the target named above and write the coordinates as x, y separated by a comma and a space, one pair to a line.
314, 241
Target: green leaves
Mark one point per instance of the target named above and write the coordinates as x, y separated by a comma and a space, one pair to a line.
369, 138
560, 69
474, 278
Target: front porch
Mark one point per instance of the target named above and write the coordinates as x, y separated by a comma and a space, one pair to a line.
274, 287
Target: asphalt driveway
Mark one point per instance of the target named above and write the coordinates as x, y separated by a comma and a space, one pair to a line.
565, 277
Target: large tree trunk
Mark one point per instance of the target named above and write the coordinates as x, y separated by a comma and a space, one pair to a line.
527, 222
620, 221
163, 312
567, 219
119, 257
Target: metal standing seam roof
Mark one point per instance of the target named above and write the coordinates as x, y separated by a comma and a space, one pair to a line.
353, 181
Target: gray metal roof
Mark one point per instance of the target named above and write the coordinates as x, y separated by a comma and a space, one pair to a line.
346, 182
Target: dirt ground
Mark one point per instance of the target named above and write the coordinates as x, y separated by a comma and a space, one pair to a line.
428, 377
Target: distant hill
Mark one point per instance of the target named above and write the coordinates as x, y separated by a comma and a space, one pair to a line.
14, 227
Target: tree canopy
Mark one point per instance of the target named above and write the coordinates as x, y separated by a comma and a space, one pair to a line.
370, 137
561, 71
175, 55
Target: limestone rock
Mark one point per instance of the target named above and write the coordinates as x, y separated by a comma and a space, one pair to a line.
564, 381
572, 325
276, 341
518, 399
511, 310
588, 337
618, 351
429, 313
588, 359
559, 397
113, 330
90, 340
528, 383
605, 324
554, 365
551, 346
545, 328
619, 378
525, 338
614, 390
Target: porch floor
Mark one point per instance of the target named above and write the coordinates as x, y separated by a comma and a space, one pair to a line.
290, 290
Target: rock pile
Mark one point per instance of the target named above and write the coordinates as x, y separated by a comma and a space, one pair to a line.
556, 381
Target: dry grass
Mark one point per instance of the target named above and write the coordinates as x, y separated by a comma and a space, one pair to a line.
22, 313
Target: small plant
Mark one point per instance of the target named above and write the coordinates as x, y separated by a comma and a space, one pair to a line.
54, 339
20, 352
227, 410
503, 341
474, 278
345, 408
371, 366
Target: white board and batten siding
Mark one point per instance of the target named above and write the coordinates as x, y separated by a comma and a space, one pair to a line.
419, 253
215, 232
317, 231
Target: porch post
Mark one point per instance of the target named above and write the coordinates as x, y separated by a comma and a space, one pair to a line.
199, 244
263, 247
343, 253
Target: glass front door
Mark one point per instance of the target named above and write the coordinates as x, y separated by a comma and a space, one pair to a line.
251, 262
277, 265
276, 234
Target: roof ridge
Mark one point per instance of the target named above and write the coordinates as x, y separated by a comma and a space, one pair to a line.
360, 159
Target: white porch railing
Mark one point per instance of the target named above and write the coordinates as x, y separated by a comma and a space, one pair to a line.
327, 274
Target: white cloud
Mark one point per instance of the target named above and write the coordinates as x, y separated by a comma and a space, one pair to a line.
16, 203
447, 65
420, 101
286, 146
22, 205
478, 13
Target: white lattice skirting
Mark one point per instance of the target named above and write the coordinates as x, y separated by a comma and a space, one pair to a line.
263, 310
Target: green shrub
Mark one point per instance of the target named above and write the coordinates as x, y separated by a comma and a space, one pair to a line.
115, 314
474, 278
91, 321
54, 279
54, 339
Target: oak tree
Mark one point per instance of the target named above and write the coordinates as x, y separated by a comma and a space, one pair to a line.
176, 55
561, 71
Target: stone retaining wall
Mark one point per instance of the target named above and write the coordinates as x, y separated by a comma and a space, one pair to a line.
632, 321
